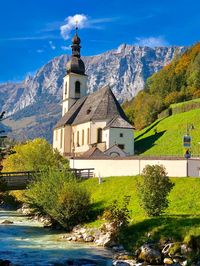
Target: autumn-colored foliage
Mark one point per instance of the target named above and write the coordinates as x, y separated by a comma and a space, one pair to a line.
179, 81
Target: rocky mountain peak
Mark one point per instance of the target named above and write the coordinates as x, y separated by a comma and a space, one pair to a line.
125, 68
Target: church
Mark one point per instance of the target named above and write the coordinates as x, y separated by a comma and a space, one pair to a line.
91, 125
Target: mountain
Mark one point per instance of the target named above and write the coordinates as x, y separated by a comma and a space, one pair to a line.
33, 105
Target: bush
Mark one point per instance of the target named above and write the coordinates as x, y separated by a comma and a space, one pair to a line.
59, 195
8, 200
118, 215
154, 189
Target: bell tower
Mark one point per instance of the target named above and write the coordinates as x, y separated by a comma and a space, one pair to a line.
75, 82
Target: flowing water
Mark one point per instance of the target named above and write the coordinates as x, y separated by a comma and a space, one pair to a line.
26, 242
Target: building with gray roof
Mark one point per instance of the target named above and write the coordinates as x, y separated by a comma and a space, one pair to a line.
88, 121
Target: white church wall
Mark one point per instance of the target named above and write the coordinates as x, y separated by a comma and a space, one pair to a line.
124, 137
174, 167
58, 140
81, 148
94, 128
130, 166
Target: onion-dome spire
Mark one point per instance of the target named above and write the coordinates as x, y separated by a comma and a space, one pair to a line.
76, 65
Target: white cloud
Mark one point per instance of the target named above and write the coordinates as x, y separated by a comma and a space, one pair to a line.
83, 22
65, 29
53, 47
152, 41
66, 48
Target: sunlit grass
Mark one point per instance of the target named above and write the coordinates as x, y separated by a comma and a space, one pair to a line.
181, 218
165, 136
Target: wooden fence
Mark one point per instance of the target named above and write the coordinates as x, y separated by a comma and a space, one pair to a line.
20, 180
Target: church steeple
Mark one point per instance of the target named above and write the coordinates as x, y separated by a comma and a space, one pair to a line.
75, 82
76, 48
76, 65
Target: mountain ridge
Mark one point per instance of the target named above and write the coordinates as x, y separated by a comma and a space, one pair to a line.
125, 69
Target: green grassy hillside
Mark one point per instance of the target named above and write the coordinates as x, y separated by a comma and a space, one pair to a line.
165, 136
181, 219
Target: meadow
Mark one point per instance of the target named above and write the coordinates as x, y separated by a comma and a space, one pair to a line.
165, 136
180, 220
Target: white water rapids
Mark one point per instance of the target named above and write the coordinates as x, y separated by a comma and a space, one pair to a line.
26, 242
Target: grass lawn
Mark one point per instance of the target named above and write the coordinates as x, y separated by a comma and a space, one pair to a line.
167, 140
181, 219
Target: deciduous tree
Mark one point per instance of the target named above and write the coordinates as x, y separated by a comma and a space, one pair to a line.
154, 189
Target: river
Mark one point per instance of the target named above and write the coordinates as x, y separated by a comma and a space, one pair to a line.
26, 242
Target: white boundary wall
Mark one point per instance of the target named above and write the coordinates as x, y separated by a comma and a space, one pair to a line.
177, 167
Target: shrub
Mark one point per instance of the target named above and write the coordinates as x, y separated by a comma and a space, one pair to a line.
59, 195
154, 189
118, 214
8, 200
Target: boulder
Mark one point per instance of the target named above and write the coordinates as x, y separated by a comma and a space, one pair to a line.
105, 240
149, 254
168, 261
124, 263
74, 238
123, 256
25, 209
7, 222
89, 238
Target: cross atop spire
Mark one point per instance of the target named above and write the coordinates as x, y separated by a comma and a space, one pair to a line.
76, 27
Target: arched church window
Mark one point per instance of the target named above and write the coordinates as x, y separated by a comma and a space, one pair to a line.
88, 136
61, 138
77, 139
65, 88
83, 137
77, 87
99, 135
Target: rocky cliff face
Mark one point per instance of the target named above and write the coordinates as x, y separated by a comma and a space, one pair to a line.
33, 104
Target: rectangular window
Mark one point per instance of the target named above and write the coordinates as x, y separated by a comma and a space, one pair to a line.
77, 138
121, 135
121, 146
61, 138
88, 136
83, 137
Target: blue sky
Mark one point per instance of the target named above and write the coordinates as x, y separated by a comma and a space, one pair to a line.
32, 32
